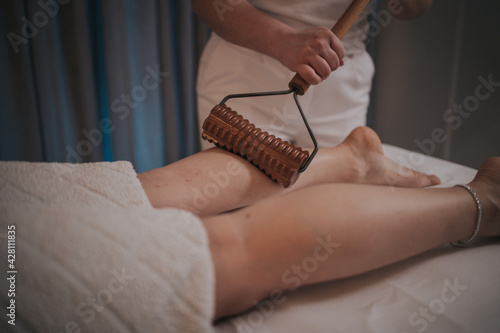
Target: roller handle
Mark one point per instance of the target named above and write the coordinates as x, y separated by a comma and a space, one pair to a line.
340, 29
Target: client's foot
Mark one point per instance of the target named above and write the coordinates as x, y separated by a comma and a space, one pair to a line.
487, 186
374, 168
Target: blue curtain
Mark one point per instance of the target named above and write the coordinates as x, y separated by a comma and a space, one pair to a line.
89, 80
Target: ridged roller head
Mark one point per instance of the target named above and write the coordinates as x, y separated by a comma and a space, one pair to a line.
278, 159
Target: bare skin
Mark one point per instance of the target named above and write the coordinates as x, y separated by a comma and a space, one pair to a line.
260, 248
408, 9
263, 248
191, 185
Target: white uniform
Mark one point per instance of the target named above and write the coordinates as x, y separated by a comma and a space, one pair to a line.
333, 108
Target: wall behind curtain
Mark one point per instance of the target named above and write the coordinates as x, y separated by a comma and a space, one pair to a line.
88, 80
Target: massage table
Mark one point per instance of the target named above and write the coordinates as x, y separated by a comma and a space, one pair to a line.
92, 255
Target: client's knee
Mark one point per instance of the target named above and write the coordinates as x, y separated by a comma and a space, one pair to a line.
233, 282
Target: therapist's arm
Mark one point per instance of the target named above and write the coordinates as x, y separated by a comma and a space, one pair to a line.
313, 53
408, 9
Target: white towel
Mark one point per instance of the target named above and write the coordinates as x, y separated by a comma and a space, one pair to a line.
92, 255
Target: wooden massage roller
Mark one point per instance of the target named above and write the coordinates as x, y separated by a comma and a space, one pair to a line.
278, 159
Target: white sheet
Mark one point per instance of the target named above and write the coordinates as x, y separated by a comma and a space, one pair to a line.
443, 290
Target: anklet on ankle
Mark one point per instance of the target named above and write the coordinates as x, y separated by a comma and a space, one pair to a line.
467, 242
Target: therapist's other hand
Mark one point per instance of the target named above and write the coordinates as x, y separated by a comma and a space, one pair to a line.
313, 53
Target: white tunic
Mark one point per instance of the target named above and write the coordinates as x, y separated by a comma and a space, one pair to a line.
333, 108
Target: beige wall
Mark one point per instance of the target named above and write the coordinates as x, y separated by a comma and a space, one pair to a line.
420, 75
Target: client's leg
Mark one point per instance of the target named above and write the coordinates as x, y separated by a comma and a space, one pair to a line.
332, 231
216, 181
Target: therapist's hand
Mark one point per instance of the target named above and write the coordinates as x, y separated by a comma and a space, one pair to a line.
313, 53
408, 9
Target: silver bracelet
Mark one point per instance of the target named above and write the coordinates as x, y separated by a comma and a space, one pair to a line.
467, 242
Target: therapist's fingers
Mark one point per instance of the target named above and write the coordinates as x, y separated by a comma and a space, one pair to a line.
313, 53
336, 46
324, 53
322, 67
308, 73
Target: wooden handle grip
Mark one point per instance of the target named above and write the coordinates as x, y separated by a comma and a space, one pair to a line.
340, 29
